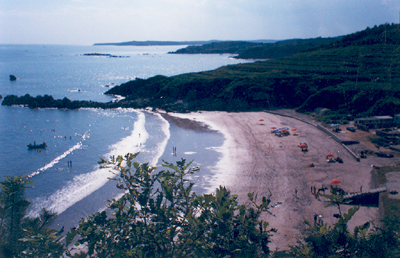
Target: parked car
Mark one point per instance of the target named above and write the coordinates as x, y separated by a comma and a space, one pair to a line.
351, 128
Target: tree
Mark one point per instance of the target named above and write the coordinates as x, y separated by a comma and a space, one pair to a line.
160, 216
13, 206
21, 236
39, 240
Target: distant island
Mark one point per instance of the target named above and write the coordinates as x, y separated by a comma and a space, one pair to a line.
257, 50
106, 55
250, 49
172, 43
357, 74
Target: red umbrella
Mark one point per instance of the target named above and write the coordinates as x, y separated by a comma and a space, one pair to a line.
261, 119
294, 129
283, 130
303, 145
335, 182
273, 127
329, 155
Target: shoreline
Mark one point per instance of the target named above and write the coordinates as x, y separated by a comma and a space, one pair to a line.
254, 160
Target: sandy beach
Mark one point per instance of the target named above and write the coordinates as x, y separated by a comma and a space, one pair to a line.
255, 160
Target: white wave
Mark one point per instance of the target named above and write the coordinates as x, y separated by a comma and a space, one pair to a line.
161, 147
190, 152
83, 185
134, 142
56, 160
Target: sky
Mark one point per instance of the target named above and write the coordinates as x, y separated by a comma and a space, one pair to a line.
85, 22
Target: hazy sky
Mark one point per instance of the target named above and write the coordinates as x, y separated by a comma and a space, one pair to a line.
84, 22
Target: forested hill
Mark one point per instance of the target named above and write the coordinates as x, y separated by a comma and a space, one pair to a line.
257, 50
224, 47
358, 74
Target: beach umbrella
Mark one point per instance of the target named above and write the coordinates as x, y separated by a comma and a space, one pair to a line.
329, 155
303, 145
273, 127
283, 130
294, 129
261, 120
335, 182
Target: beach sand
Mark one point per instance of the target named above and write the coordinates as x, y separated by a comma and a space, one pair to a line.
255, 160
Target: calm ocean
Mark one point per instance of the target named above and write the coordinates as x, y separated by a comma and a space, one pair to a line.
66, 175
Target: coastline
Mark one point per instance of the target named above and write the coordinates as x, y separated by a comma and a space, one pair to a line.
254, 160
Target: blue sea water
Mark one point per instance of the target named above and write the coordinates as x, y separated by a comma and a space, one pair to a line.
66, 174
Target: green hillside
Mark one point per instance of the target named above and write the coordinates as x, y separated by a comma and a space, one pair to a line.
257, 50
358, 74
225, 47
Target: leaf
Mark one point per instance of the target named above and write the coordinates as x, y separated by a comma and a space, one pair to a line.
250, 195
120, 159
347, 216
208, 198
60, 231
70, 236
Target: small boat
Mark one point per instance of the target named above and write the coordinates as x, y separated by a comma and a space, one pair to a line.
37, 146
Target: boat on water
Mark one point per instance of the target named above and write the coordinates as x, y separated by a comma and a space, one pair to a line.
37, 146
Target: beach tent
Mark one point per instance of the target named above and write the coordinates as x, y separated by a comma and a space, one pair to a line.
303, 146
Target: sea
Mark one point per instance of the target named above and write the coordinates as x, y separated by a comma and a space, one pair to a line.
67, 177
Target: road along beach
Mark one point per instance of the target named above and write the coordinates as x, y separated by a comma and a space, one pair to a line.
255, 160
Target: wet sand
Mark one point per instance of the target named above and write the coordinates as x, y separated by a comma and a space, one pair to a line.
255, 160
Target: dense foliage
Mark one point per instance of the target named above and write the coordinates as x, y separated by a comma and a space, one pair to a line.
47, 101
160, 216
21, 236
225, 47
257, 50
358, 74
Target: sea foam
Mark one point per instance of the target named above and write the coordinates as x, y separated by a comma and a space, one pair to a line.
83, 185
